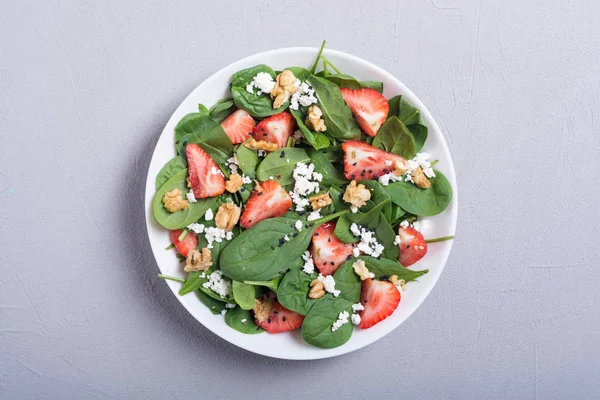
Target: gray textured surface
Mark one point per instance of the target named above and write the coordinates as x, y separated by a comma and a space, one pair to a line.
86, 88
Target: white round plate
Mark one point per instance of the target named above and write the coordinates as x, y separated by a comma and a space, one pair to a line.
290, 345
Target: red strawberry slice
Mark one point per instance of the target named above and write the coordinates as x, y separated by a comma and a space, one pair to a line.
267, 201
363, 161
369, 107
275, 129
238, 126
380, 299
189, 242
275, 318
412, 246
205, 177
329, 252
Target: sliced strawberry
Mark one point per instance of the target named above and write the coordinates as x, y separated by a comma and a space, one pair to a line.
267, 201
363, 161
328, 252
369, 107
238, 126
275, 318
380, 299
189, 242
205, 177
412, 246
275, 129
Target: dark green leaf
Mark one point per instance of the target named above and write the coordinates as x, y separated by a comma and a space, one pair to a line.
276, 166
372, 85
202, 109
272, 284
422, 202
175, 165
331, 175
293, 290
223, 109
385, 267
205, 132
369, 219
215, 306
386, 236
259, 106
242, 321
395, 138
244, 294
411, 117
248, 160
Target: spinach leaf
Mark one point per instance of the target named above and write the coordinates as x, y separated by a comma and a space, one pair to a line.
315, 139
223, 109
300, 73
397, 214
195, 282
378, 195
248, 160
384, 268
244, 294
316, 328
337, 200
174, 165
215, 306
242, 321
411, 117
182, 218
202, 109
347, 81
331, 175
259, 106
387, 236
336, 113
395, 138
246, 191
256, 255
422, 202
372, 85
293, 290
273, 284
276, 165
369, 219
205, 132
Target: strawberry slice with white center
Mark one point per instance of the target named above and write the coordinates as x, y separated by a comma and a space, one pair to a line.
363, 161
206, 178
369, 107
238, 126
275, 129
275, 318
189, 242
267, 201
380, 299
328, 252
412, 246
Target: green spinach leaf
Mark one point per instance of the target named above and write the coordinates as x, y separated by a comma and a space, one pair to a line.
174, 165
215, 306
385, 267
293, 290
372, 85
347, 81
182, 218
248, 160
337, 200
242, 321
411, 117
244, 294
369, 219
272, 284
422, 202
387, 236
276, 165
202, 109
315, 139
259, 106
395, 138
331, 175
223, 109
205, 132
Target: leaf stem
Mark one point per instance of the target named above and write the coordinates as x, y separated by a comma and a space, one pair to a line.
314, 67
171, 278
441, 239
434, 162
169, 247
337, 71
183, 235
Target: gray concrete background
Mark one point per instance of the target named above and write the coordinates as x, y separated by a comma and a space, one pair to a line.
85, 90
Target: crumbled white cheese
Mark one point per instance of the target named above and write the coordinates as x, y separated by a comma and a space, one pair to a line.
298, 134
215, 171
329, 284
298, 225
368, 242
388, 163
357, 307
218, 284
244, 320
223, 312
306, 183
397, 240
355, 319
404, 224
304, 96
263, 82
354, 209
419, 160
262, 153
342, 320
286, 238
216, 235
309, 265
209, 215
246, 179
228, 235
196, 228
287, 160
355, 252
229, 305
314, 215
271, 177
233, 164
190, 196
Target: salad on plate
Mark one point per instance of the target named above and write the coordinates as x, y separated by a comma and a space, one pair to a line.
299, 201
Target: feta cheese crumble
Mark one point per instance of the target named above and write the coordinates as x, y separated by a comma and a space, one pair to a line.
223, 312
314, 215
397, 240
246, 179
216, 235
229, 305
368, 242
262, 153
218, 284
190, 196
233, 164
209, 215
355, 319
342, 320
215, 171
304, 96
419, 160
298, 225
306, 183
329, 284
357, 307
263, 81
309, 265
196, 228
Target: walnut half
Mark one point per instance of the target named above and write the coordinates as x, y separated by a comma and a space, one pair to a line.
227, 216
319, 201
357, 195
234, 183
174, 201
317, 289
262, 308
284, 88
253, 144
197, 261
361, 270
314, 120
420, 179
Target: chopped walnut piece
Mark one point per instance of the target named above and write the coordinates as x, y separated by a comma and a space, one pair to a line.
197, 261
227, 216
319, 201
317, 289
234, 183
420, 179
361, 270
314, 120
401, 167
398, 282
174, 201
253, 144
357, 195
257, 186
262, 308
284, 88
